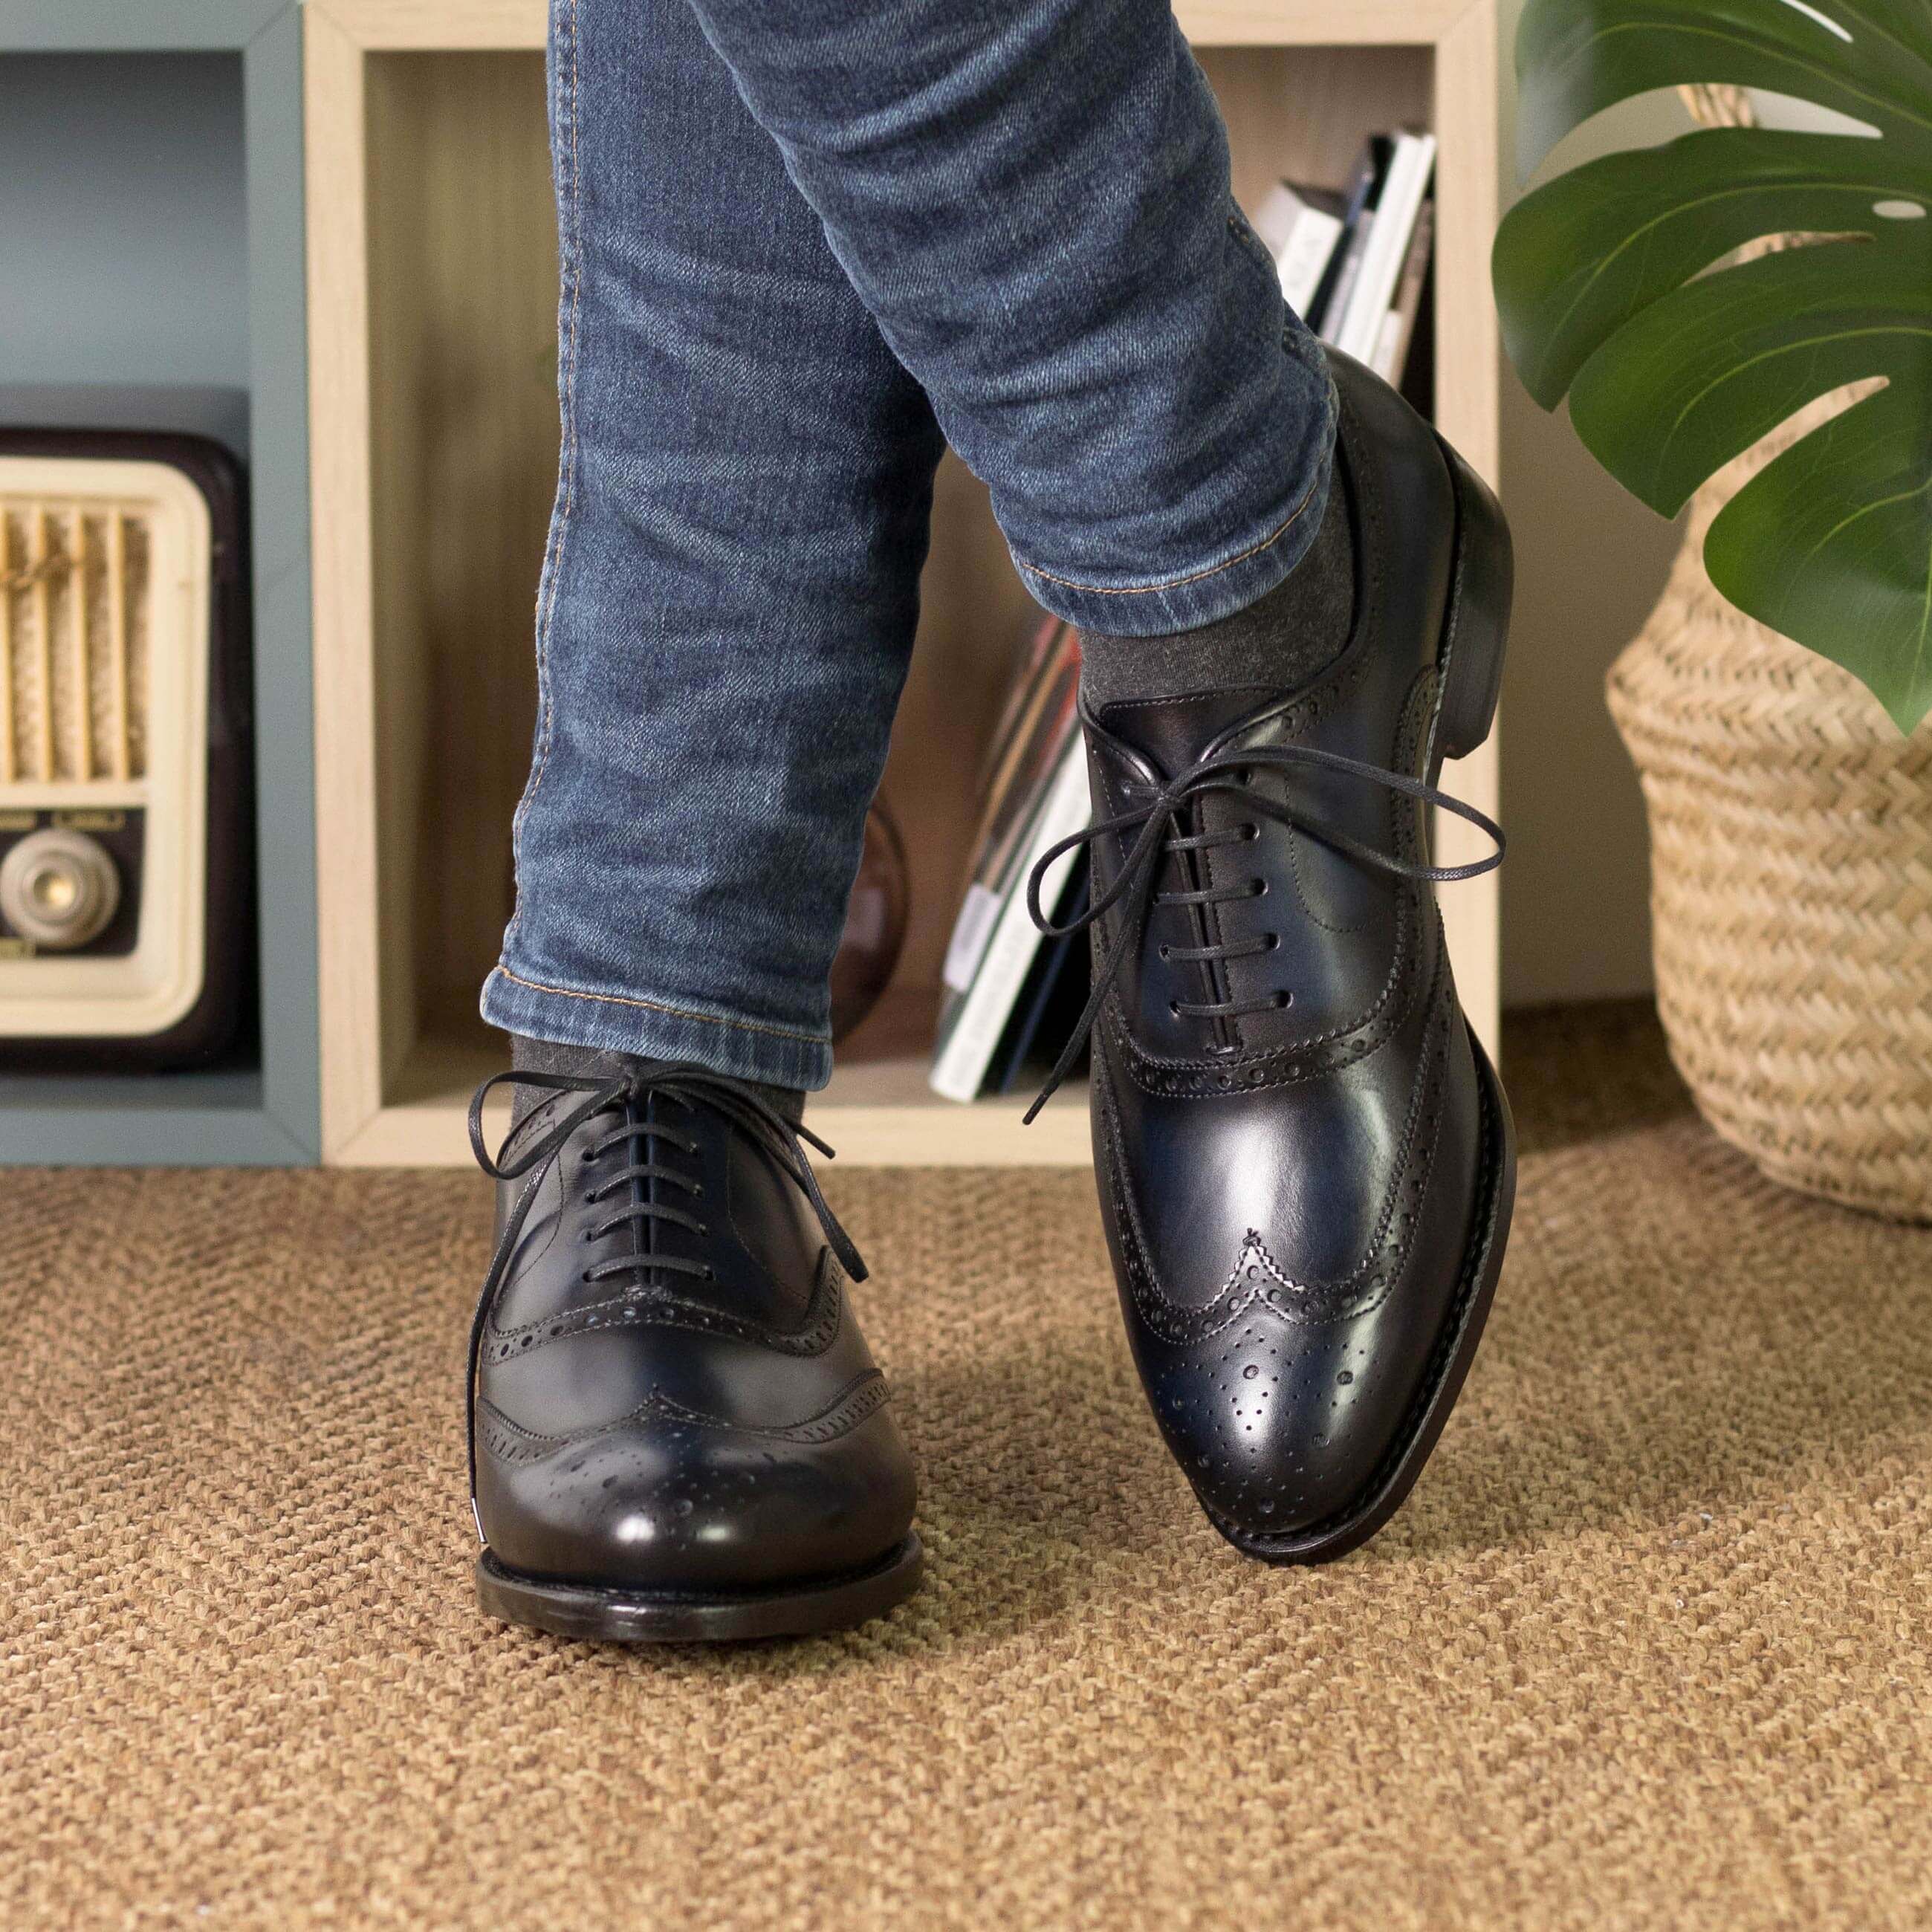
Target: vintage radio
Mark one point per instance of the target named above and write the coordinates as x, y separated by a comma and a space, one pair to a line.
125, 824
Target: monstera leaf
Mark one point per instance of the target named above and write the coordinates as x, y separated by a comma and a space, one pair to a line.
1671, 371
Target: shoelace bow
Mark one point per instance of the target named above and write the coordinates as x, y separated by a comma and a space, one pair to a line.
784, 1140
1162, 830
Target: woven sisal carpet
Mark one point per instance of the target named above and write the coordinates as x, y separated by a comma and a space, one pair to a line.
1649, 1646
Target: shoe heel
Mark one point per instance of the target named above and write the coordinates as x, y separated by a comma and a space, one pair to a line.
1477, 625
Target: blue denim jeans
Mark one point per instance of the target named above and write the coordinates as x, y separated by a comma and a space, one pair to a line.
803, 243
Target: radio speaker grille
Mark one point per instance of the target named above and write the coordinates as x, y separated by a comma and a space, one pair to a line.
74, 607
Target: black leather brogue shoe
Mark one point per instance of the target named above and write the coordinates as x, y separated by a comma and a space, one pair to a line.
1306, 1162
676, 1430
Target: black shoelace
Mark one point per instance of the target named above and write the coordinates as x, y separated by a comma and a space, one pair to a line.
784, 1140
1160, 826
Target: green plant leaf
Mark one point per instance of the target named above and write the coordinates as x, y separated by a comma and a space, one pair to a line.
1871, 59
1707, 370
1580, 257
1673, 371
1829, 542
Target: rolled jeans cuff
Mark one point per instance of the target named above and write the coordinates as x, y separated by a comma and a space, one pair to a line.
1186, 602
1268, 547
633, 1022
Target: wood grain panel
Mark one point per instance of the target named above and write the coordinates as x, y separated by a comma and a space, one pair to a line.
463, 270
432, 294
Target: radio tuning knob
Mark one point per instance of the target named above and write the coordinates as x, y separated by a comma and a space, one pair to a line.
59, 889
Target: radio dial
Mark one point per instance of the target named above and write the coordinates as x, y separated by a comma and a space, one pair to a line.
59, 889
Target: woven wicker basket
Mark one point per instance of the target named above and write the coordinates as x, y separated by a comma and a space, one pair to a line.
1791, 888
1791, 872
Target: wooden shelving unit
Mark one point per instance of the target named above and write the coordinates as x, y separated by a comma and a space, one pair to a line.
433, 435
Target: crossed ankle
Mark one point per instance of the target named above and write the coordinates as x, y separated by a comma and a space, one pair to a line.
545, 1056
1284, 638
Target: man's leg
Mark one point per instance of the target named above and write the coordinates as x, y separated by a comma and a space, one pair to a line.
1305, 1162
731, 586
677, 1431
1033, 202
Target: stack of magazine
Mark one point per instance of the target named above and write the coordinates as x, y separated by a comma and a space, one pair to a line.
1004, 983
1354, 261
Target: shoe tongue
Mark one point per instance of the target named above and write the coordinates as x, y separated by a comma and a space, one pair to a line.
1172, 734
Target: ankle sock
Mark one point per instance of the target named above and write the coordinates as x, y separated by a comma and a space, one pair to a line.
1282, 640
546, 1056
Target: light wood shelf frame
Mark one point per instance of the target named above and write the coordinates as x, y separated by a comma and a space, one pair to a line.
393, 1092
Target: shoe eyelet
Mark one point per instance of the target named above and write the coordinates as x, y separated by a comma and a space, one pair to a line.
1251, 832
1260, 889
1164, 950
1273, 941
1174, 1007
1282, 1000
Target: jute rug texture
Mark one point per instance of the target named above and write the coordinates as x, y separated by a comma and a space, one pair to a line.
1650, 1646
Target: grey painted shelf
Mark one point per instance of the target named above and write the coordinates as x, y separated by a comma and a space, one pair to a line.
151, 213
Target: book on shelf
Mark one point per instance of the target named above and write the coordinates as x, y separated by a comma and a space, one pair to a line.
1037, 722
1338, 280
1035, 796
1299, 226
1354, 261
1048, 1008
1398, 329
1356, 327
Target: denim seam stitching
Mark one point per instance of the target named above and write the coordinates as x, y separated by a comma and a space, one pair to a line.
1274, 537
660, 1007
547, 615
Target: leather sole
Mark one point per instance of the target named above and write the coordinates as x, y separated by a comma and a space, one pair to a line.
595, 1614
1456, 1349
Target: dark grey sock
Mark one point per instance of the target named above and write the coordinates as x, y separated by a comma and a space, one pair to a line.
547, 1056
1280, 641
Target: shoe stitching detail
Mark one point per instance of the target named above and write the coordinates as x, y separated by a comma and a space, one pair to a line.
1448, 1343
1305, 1303
1292, 838
1292, 718
1173, 1077
510, 1442
659, 1308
